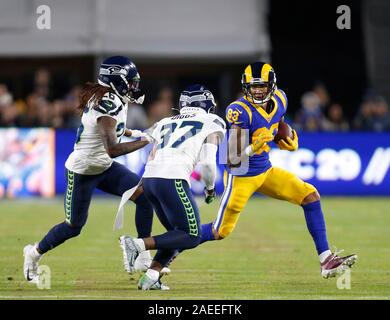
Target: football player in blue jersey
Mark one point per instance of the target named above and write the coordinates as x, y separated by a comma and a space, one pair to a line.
103, 111
255, 118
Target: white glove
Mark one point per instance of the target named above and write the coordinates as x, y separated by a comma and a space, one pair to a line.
136, 133
142, 135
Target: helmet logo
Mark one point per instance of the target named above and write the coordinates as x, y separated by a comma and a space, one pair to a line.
116, 70
208, 95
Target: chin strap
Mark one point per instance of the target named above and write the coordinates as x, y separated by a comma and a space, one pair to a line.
138, 97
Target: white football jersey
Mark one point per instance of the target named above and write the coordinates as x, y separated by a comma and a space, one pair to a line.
179, 141
89, 156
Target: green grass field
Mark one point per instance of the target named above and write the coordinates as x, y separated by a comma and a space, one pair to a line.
270, 255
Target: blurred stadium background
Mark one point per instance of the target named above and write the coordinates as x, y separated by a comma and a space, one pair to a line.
337, 82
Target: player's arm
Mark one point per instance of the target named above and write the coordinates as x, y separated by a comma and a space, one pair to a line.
238, 149
152, 153
208, 165
235, 146
107, 129
135, 133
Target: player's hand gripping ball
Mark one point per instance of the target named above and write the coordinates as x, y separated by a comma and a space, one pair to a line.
286, 138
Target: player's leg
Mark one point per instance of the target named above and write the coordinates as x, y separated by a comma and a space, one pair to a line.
144, 259
76, 203
331, 263
237, 192
162, 258
181, 212
117, 180
284, 185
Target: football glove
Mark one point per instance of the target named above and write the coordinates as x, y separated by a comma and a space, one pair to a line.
136, 133
292, 144
209, 195
258, 142
142, 135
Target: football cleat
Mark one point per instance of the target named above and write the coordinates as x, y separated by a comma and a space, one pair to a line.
165, 270
146, 283
130, 253
143, 262
334, 264
30, 266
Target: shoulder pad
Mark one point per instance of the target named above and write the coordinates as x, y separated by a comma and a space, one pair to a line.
110, 104
219, 122
238, 113
282, 96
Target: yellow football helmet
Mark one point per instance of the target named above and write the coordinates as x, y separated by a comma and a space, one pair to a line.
259, 74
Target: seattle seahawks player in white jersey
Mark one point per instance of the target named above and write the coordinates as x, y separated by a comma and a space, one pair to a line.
104, 109
182, 141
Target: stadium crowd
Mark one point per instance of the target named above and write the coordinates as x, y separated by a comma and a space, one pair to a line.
318, 111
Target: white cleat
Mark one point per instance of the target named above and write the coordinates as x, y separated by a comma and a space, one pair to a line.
147, 283
130, 253
165, 271
143, 262
30, 266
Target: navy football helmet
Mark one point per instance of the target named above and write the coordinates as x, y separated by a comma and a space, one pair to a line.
121, 74
197, 96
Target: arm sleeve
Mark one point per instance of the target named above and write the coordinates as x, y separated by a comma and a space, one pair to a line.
208, 165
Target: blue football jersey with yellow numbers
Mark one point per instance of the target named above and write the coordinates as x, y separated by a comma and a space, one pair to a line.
256, 120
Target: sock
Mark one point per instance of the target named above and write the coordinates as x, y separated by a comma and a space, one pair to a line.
143, 216
153, 274
140, 243
324, 255
207, 233
57, 235
316, 224
35, 253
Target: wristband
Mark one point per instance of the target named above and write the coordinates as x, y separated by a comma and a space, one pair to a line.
249, 151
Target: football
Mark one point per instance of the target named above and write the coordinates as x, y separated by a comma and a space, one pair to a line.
284, 131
